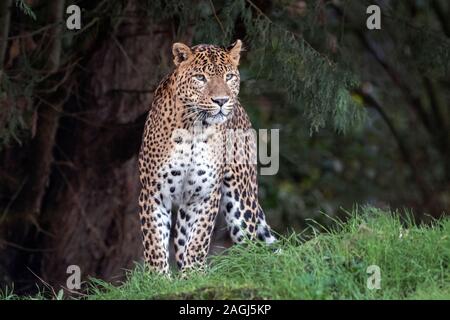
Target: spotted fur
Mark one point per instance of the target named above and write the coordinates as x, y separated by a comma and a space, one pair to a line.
182, 159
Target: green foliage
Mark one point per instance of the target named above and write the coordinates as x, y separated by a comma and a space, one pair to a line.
7, 294
421, 46
413, 262
332, 264
318, 86
11, 115
317, 80
434, 62
23, 6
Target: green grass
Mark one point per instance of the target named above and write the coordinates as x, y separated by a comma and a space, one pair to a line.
332, 265
413, 262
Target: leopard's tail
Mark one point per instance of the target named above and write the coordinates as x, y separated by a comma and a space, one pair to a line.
263, 231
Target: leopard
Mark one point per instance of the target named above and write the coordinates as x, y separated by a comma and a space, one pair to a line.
183, 163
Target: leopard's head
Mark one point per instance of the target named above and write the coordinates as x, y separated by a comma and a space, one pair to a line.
207, 80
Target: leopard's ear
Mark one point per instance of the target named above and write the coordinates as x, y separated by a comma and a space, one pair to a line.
234, 51
181, 53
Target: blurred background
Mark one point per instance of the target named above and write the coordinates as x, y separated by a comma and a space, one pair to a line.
364, 117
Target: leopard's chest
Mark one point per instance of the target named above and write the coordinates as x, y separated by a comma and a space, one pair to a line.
194, 168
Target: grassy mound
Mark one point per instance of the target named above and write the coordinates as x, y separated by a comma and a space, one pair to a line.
413, 264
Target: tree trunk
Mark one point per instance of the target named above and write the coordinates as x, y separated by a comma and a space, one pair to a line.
5, 14
92, 220
87, 210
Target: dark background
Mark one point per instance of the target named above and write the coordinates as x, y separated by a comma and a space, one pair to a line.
364, 117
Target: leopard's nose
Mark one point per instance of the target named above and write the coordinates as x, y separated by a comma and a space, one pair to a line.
220, 100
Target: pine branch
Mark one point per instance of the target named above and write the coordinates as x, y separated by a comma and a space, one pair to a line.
23, 6
41, 154
294, 34
216, 17
413, 101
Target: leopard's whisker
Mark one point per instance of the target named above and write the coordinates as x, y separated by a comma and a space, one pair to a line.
189, 115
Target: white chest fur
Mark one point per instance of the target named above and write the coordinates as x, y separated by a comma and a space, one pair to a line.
194, 166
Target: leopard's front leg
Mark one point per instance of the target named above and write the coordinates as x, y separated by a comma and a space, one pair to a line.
155, 226
193, 230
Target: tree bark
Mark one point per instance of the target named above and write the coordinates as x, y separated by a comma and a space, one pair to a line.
5, 14
91, 219
83, 187
27, 205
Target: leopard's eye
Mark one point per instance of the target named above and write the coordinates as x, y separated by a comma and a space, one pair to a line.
229, 76
200, 77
